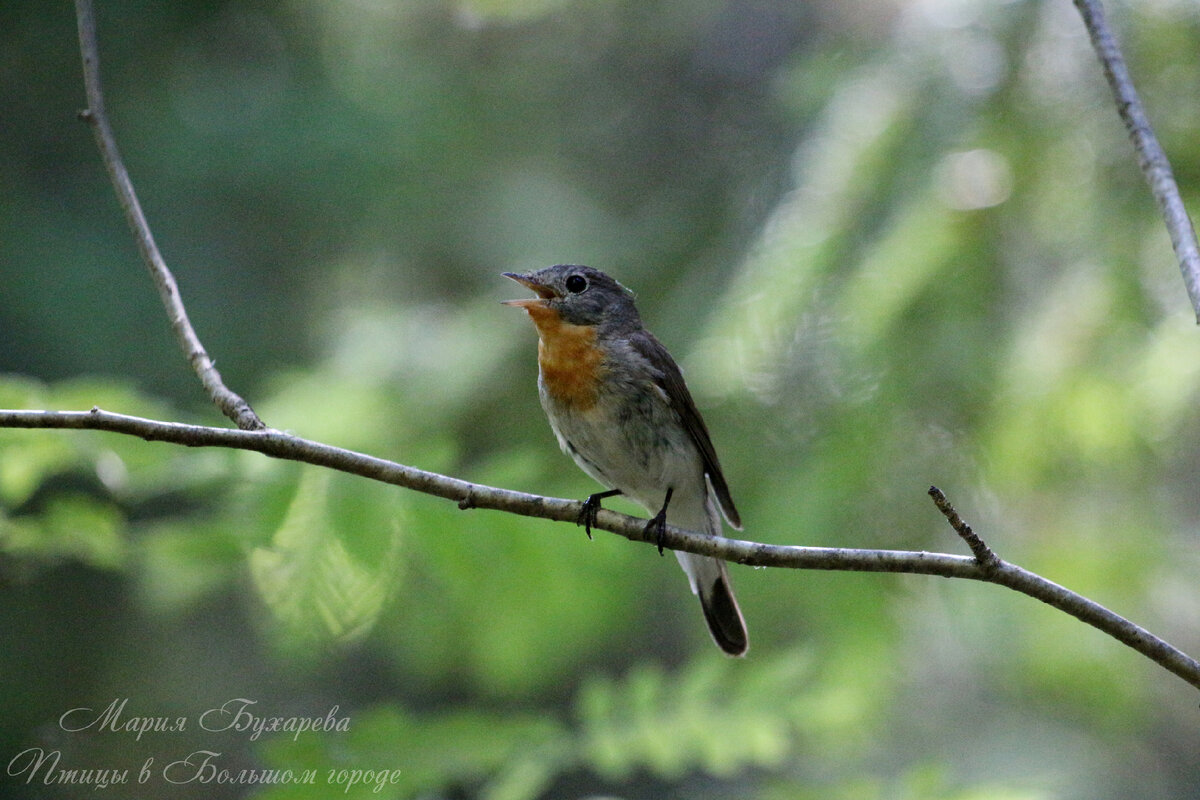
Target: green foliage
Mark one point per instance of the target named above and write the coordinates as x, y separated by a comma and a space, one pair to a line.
714, 716
327, 575
506, 756
919, 783
186, 562
651, 722
66, 495
69, 527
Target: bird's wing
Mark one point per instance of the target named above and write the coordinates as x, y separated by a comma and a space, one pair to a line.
670, 378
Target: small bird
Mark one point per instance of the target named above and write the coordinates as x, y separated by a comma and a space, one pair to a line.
619, 407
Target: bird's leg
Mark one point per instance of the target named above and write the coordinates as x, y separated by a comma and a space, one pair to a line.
659, 523
587, 514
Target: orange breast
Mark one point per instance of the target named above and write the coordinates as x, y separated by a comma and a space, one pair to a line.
569, 359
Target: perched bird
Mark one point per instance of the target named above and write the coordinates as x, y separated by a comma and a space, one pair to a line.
619, 407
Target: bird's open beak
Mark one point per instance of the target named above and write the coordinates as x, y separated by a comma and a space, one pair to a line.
542, 291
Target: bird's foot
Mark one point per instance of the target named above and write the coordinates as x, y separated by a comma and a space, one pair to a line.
658, 524
587, 514
657, 527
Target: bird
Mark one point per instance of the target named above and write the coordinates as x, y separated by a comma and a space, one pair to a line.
619, 407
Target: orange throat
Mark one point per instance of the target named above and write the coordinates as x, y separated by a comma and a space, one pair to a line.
568, 357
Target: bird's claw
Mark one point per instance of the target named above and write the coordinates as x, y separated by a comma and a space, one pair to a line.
591, 506
659, 522
658, 528
587, 514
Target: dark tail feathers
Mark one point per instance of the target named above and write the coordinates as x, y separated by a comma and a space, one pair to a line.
723, 616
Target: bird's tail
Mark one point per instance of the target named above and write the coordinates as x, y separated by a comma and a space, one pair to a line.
710, 582
708, 576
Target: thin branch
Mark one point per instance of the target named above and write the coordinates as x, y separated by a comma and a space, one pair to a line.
983, 554
232, 405
1151, 157
996, 570
473, 495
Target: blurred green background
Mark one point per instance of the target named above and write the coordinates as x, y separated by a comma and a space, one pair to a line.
892, 245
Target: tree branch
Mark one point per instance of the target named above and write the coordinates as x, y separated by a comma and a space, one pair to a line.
987, 559
232, 405
277, 444
1151, 157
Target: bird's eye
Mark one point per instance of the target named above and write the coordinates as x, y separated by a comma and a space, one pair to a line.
576, 283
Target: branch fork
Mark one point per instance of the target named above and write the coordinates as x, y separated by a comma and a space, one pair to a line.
987, 559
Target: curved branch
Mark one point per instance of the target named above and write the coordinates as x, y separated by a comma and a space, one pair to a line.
986, 567
232, 405
1151, 157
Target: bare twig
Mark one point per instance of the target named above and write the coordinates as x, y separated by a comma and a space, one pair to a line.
472, 495
996, 570
1151, 157
230, 403
983, 554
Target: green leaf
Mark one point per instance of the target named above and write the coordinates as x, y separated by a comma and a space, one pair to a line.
509, 756
707, 717
181, 563
73, 527
317, 577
